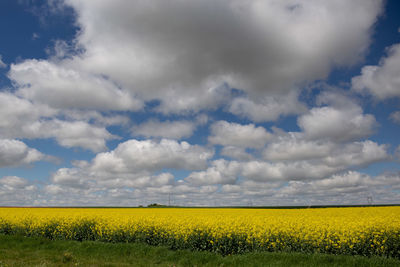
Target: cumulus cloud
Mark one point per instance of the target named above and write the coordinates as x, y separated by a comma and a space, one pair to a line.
349, 187
293, 147
166, 129
15, 153
13, 182
268, 108
16, 114
134, 155
75, 134
178, 51
62, 87
135, 169
234, 134
344, 188
381, 81
96, 117
69, 133
220, 172
292, 165
15, 191
313, 165
235, 152
20, 118
357, 154
342, 120
395, 117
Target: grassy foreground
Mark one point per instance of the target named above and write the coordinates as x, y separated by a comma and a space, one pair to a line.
24, 251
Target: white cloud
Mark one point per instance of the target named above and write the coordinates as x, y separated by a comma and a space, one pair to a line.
294, 147
70, 177
192, 100
356, 154
234, 134
344, 188
346, 181
96, 117
62, 87
16, 114
347, 188
13, 182
17, 191
134, 156
2, 64
20, 118
76, 134
381, 81
220, 172
178, 51
234, 152
268, 108
395, 117
69, 133
343, 120
166, 129
334, 159
262, 171
15, 153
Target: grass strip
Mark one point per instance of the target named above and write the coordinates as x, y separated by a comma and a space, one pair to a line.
27, 251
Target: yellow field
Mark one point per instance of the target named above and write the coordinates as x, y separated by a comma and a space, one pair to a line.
364, 231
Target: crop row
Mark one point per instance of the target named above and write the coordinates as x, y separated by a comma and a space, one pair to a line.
221, 231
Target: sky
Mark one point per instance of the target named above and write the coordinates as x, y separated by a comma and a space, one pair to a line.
199, 103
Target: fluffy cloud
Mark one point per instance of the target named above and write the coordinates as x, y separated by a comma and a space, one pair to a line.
62, 87
75, 134
334, 159
20, 118
69, 133
343, 120
234, 134
356, 154
96, 117
136, 166
134, 155
349, 187
15, 191
395, 117
79, 179
294, 147
235, 152
220, 172
178, 51
344, 188
13, 182
381, 81
16, 114
166, 129
262, 171
14, 153
268, 108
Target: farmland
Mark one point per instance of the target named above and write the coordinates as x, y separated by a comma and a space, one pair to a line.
367, 231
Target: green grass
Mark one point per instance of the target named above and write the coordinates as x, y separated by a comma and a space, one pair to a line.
24, 251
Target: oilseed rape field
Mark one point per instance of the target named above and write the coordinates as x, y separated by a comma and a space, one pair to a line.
353, 231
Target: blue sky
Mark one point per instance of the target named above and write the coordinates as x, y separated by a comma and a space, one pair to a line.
200, 103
